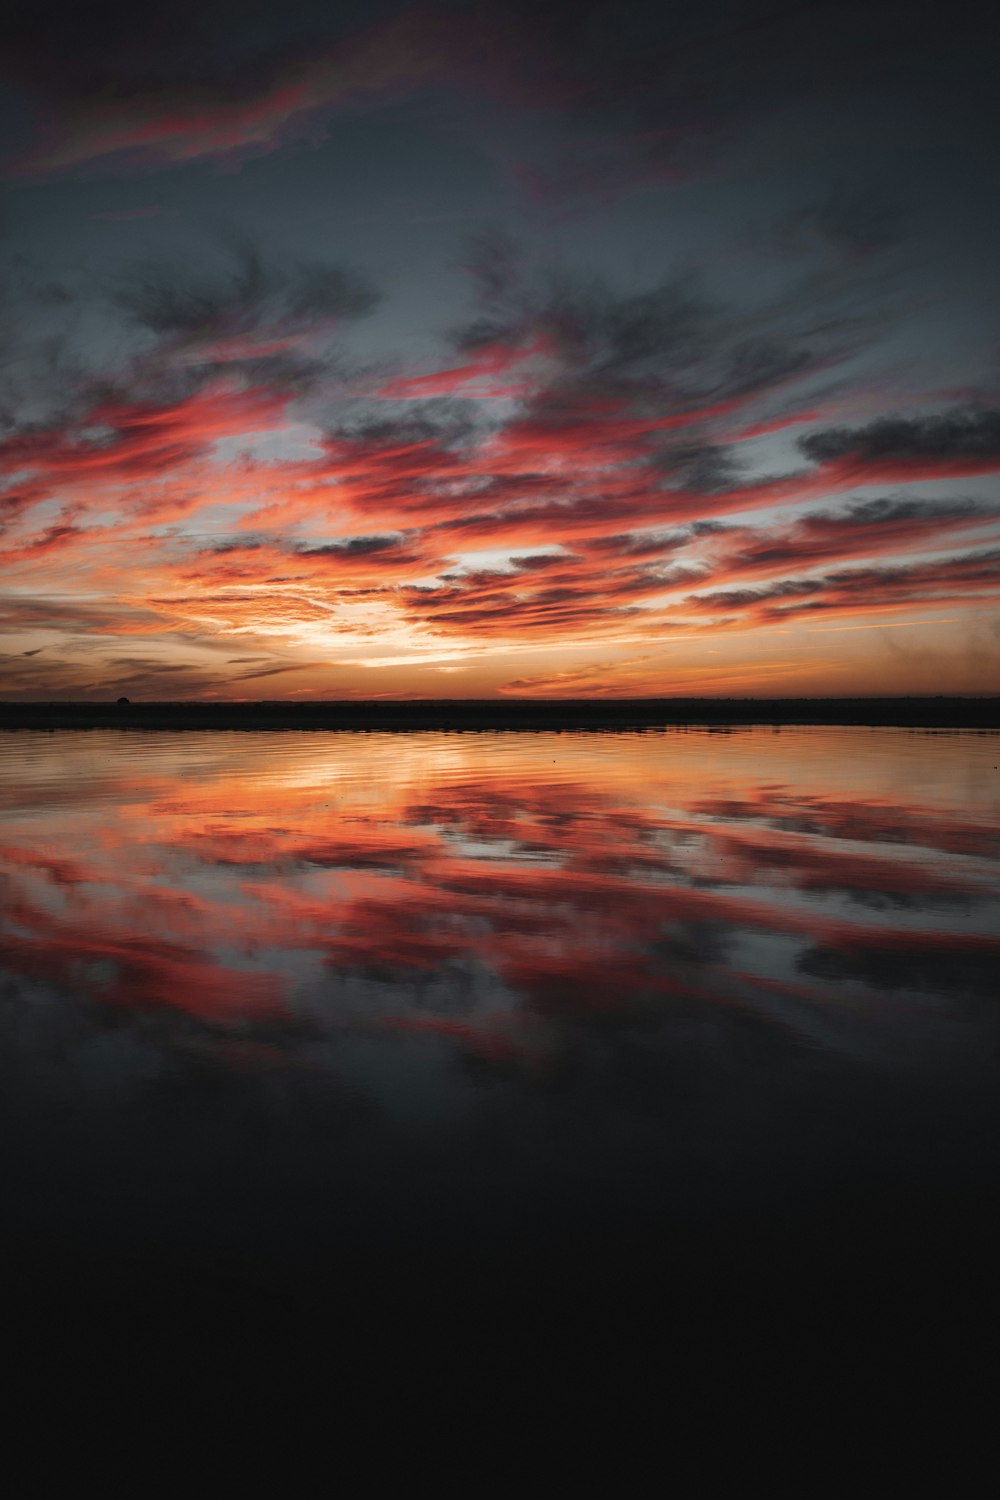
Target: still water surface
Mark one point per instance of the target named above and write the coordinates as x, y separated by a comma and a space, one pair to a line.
271, 999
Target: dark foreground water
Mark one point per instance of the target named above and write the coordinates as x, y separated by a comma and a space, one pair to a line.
488, 1067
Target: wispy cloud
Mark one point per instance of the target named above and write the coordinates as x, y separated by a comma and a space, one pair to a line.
611, 500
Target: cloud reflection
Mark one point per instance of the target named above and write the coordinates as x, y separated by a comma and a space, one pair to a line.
495, 903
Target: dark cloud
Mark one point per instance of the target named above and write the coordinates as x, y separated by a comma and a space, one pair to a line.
866, 528
676, 351
966, 435
862, 590
255, 318
229, 50
253, 294
704, 468
353, 546
852, 220
604, 344
446, 423
888, 510
235, 544
242, 318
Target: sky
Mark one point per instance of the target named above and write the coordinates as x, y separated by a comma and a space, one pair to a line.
498, 349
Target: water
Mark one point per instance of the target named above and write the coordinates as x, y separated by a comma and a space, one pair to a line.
494, 1029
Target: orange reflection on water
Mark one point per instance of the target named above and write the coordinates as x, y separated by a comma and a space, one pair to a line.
497, 895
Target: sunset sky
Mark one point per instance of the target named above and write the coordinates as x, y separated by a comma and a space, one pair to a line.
459, 350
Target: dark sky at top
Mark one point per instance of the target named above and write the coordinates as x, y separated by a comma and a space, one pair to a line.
461, 349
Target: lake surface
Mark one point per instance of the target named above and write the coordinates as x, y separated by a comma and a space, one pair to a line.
632, 1025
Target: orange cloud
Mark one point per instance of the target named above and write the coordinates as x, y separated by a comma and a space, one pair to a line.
604, 514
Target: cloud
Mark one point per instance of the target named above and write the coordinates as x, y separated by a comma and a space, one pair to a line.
576, 103
121, 442
354, 546
474, 379
662, 677
253, 316
147, 94
853, 221
861, 591
864, 528
69, 613
965, 441
601, 491
259, 610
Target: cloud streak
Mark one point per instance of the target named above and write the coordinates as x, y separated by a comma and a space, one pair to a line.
609, 496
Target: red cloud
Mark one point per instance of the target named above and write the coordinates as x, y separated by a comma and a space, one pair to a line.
417, 48
382, 513
125, 441
466, 379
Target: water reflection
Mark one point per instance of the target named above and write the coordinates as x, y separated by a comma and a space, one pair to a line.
299, 987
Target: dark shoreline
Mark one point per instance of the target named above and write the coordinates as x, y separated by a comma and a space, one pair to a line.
511, 714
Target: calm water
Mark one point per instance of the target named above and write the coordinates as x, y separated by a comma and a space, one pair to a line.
644, 1015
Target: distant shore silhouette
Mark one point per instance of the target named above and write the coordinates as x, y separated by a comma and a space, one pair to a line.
509, 714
